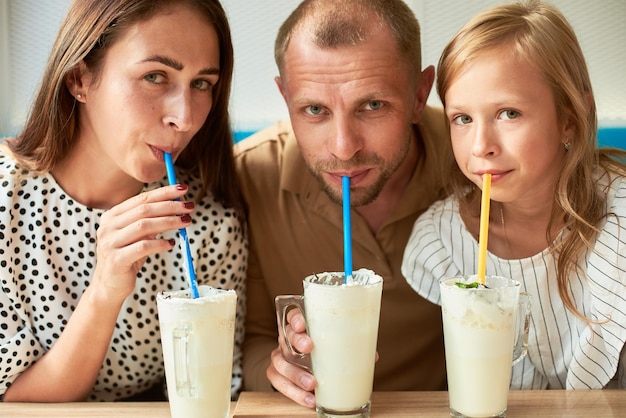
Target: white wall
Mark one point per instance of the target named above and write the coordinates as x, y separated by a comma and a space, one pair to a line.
4, 66
256, 102
32, 27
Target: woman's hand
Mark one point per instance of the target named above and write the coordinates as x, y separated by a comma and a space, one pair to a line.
130, 232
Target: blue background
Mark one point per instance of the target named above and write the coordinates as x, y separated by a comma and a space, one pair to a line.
607, 137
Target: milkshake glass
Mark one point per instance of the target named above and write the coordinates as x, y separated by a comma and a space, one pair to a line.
342, 321
198, 335
482, 329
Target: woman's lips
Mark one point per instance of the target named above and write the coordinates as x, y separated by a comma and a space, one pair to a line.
159, 151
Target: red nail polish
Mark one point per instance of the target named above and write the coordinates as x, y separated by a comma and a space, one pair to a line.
185, 218
181, 187
189, 205
172, 242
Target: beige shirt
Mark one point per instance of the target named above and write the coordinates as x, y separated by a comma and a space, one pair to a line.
296, 230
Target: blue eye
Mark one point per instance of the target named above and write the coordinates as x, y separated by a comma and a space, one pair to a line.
374, 105
314, 110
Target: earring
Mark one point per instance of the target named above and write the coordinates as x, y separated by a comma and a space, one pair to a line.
79, 96
567, 145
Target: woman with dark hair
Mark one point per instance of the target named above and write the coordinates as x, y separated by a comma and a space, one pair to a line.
87, 218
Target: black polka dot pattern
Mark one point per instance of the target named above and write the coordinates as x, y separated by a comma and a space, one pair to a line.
47, 258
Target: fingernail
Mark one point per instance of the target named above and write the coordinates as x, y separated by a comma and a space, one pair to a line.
301, 339
172, 242
181, 187
185, 218
298, 322
307, 382
189, 205
310, 401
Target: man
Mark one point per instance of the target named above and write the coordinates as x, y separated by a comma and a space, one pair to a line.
350, 74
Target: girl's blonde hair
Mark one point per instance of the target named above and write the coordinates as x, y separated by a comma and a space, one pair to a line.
540, 35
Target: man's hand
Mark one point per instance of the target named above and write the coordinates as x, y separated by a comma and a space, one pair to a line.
291, 380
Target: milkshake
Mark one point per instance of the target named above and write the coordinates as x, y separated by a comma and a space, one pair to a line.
342, 321
479, 333
198, 337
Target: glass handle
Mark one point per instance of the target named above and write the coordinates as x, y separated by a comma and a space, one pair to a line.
522, 325
283, 305
184, 385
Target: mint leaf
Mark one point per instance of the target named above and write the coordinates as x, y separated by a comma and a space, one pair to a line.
473, 285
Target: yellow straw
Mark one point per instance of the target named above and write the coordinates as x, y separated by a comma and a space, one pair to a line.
484, 227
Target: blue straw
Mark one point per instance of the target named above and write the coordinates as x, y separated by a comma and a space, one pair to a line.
184, 243
347, 232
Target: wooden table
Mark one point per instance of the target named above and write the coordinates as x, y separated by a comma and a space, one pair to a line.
89, 409
535, 404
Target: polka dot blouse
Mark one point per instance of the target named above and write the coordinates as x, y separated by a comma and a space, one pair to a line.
47, 259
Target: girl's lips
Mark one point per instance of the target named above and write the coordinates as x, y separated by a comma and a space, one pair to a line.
495, 175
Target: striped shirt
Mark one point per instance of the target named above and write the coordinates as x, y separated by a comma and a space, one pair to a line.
563, 351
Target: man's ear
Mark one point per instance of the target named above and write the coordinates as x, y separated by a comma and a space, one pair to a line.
77, 81
422, 91
281, 88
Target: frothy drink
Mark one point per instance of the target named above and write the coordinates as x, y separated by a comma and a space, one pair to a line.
198, 338
342, 321
344, 329
479, 334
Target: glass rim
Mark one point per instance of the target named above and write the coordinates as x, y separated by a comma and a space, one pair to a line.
207, 293
508, 282
336, 278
